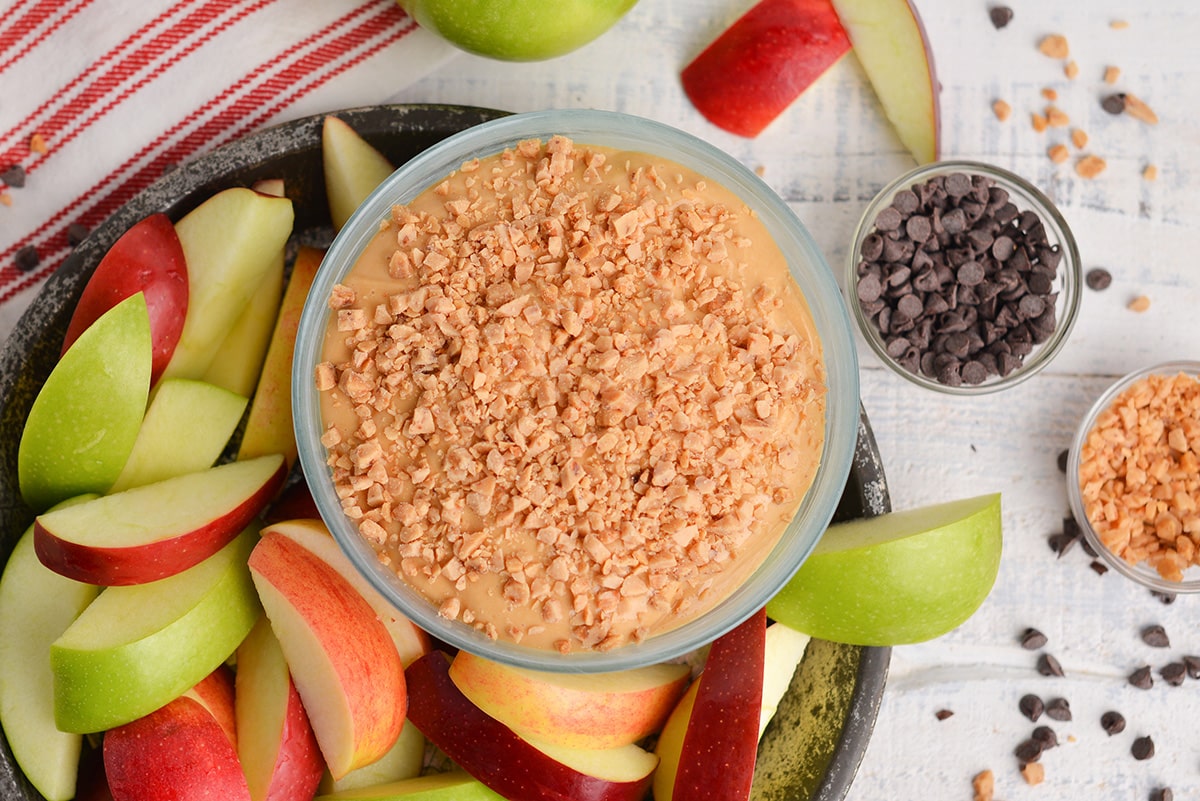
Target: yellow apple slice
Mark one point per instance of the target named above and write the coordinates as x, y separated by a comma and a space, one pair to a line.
353, 168
455, 785
783, 651
890, 42
239, 358
898, 578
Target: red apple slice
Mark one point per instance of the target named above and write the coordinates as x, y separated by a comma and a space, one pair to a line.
763, 62
514, 767
147, 258
340, 655
708, 746
157, 530
893, 48
276, 744
179, 752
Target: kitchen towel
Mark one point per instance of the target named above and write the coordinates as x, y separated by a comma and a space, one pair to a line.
99, 97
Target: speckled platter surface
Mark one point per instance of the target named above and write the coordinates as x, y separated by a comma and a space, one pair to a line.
814, 745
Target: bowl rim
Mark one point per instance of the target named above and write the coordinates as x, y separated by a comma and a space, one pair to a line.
1140, 572
819, 288
1070, 273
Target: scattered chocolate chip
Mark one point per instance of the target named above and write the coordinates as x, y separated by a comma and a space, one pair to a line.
1173, 673
76, 233
1112, 723
1156, 636
1114, 103
1031, 706
1063, 457
14, 176
1141, 678
1001, 16
1099, 567
1061, 542
1162, 794
1047, 665
27, 258
1046, 736
1032, 639
1192, 663
1166, 598
1028, 751
942, 714
1058, 709
1142, 748
1098, 279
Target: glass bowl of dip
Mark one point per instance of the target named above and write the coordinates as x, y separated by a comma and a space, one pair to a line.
963, 302
624, 135
1141, 440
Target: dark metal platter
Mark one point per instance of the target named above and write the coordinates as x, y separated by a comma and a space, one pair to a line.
812, 748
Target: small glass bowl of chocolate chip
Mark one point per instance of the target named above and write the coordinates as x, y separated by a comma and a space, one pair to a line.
963, 277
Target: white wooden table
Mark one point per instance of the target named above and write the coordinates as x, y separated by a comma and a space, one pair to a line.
827, 155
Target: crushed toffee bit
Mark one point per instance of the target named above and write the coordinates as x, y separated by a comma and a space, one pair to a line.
1058, 153
1118, 24
1142, 748
1038, 122
1033, 773
984, 785
1079, 138
1050, 94
1141, 678
27, 259
1048, 665
6, 199
1112, 722
1155, 636
37, 144
1137, 109
1002, 110
1150, 173
14, 176
1054, 46
1032, 639
1139, 304
1000, 16
1090, 166
1112, 74
1056, 117
1071, 70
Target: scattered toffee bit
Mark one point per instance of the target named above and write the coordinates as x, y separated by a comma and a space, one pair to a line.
1142, 748
1111, 74
984, 785
1156, 636
1192, 663
1150, 173
1058, 153
1001, 16
1139, 304
1112, 723
1114, 103
1141, 678
14, 176
1038, 122
1135, 107
1063, 457
1033, 773
1071, 70
1118, 24
1032, 639
958, 281
1028, 751
1173, 673
27, 259
1031, 706
1001, 109
1090, 166
76, 233
1046, 736
1047, 665
1162, 794
6, 199
1079, 138
1098, 567
1058, 709
942, 714
1098, 279
1056, 117
1054, 46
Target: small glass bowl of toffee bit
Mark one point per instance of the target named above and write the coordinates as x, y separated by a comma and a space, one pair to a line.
963, 277
1134, 476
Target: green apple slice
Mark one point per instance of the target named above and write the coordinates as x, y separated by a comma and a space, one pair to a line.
353, 168
36, 606
452, 786
84, 421
185, 429
897, 578
136, 648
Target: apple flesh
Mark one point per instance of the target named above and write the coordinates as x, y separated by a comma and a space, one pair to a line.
179, 752
85, 419
269, 424
891, 44
898, 578
185, 430
151, 532
404, 761
230, 242
708, 747
276, 745
784, 649
353, 168
517, 30
147, 258
341, 658
763, 62
239, 358
136, 648
36, 607
602, 710
510, 765
455, 785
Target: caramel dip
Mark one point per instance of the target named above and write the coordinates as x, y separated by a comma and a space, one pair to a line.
572, 396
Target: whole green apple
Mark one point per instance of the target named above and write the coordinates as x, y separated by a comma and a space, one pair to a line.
517, 30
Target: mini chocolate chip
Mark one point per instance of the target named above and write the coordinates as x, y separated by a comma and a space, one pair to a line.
1165, 598
1032, 639
957, 184
973, 372
76, 233
1112, 722
1047, 665
1098, 567
1192, 663
1058, 709
888, 219
1063, 457
1046, 736
872, 246
1162, 794
1061, 542
1173, 673
942, 714
1114, 103
1001, 16
1141, 678
906, 201
1156, 636
14, 176
1098, 278
27, 258
1028, 751
1031, 706
1142, 748
869, 288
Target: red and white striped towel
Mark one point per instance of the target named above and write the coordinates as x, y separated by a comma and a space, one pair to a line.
97, 98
